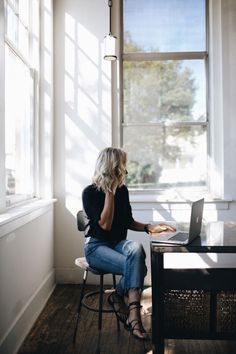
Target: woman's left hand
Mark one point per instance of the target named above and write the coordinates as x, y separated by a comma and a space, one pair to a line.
160, 228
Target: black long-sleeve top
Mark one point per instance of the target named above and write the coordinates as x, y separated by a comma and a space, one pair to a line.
93, 203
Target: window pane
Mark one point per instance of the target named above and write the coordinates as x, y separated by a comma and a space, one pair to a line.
18, 126
14, 3
24, 11
164, 91
23, 43
11, 25
16, 32
161, 157
164, 25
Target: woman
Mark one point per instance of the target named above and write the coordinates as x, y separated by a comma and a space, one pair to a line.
106, 203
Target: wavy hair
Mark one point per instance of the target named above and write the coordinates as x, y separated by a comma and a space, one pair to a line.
110, 168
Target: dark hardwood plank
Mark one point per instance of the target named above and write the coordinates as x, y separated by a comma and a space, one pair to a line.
53, 331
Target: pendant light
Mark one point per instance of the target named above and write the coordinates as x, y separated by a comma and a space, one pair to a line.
110, 40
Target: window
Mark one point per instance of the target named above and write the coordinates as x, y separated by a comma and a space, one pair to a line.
21, 50
164, 101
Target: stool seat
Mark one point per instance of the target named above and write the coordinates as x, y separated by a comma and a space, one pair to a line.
82, 263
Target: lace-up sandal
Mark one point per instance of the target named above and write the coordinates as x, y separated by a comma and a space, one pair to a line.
118, 305
135, 324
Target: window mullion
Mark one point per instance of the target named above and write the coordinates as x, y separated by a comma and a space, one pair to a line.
166, 124
164, 56
2, 113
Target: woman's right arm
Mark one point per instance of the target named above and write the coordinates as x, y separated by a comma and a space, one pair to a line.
107, 213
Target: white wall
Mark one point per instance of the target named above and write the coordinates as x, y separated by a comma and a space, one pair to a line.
26, 275
84, 123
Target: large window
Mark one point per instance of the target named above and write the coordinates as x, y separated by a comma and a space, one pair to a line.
21, 50
164, 104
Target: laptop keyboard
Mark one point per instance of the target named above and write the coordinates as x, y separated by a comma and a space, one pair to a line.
180, 236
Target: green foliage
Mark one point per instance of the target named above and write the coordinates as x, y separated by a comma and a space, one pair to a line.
138, 174
156, 91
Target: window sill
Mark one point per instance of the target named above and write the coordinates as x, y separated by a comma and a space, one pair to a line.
18, 216
176, 199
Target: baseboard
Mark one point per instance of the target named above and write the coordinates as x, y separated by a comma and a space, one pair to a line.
22, 324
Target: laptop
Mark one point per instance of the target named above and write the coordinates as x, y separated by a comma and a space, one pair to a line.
182, 237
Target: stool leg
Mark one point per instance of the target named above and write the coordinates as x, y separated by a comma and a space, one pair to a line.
114, 281
114, 285
80, 302
100, 303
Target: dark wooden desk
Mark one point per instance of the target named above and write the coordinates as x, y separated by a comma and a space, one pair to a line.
194, 303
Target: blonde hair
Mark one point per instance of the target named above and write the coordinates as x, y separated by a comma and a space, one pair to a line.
110, 169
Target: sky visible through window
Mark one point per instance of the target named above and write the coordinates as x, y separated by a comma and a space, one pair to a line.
171, 26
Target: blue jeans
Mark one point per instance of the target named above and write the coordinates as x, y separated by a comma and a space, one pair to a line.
126, 258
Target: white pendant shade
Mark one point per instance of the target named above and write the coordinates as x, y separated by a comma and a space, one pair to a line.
110, 47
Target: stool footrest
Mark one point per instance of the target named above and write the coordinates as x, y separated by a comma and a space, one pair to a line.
93, 308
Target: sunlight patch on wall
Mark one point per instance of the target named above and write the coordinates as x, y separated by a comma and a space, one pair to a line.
69, 92
79, 165
89, 43
216, 176
87, 106
70, 56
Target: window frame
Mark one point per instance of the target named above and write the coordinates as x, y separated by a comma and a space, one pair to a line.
162, 56
11, 200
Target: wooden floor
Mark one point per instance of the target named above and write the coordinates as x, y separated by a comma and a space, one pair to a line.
53, 331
